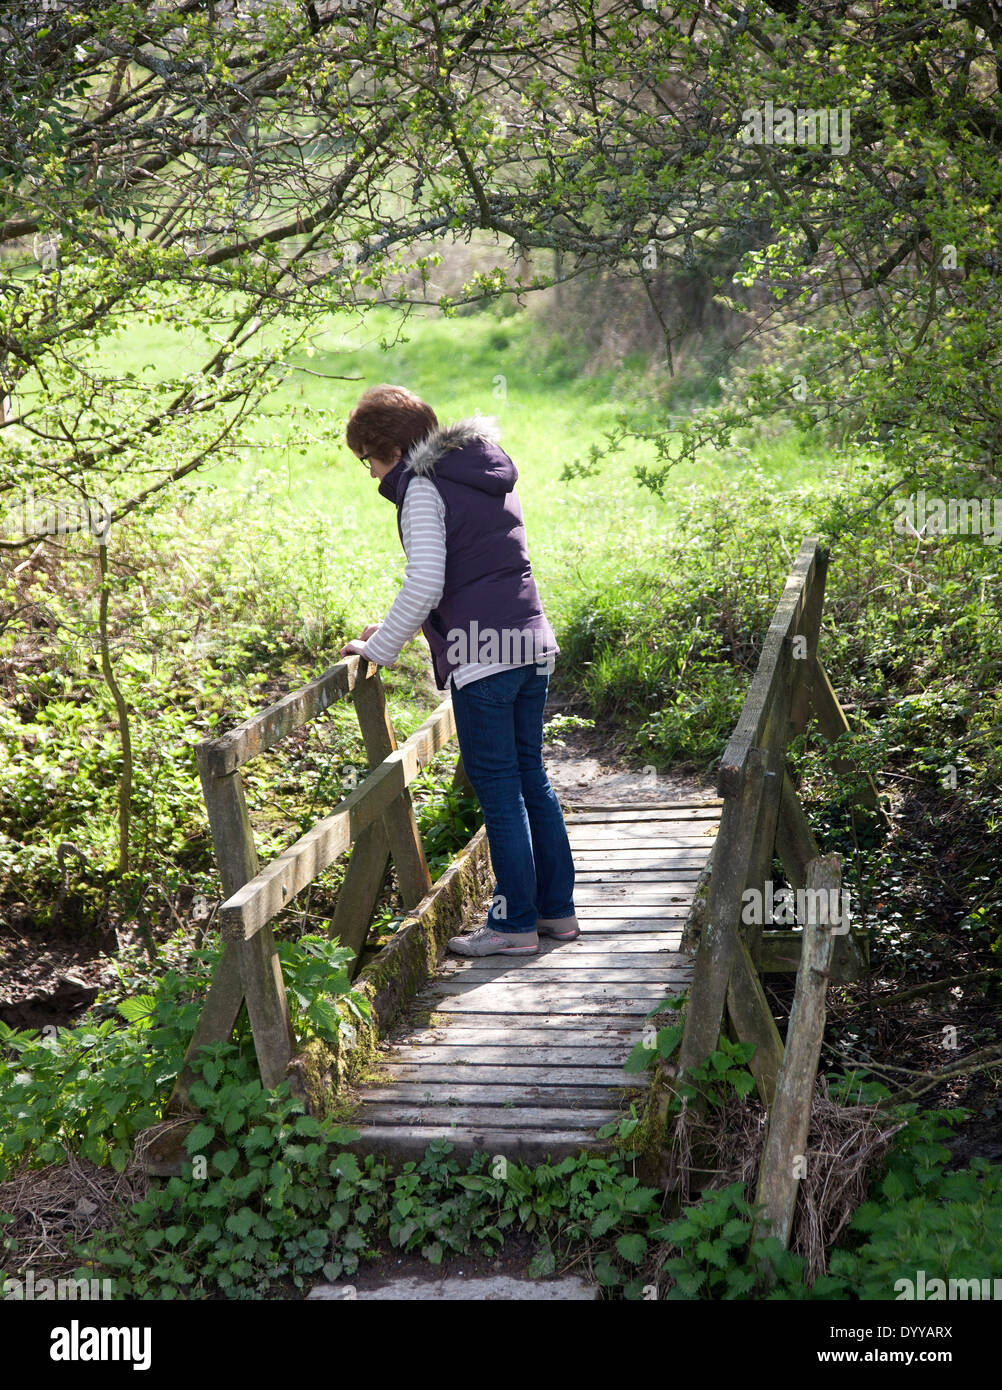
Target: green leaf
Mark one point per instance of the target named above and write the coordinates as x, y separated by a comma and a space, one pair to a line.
241, 1222
743, 1082
199, 1138
542, 1264
632, 1247
606, 1272
669, 1039
892, 1187
226, 1160
138, 1010
639, 1059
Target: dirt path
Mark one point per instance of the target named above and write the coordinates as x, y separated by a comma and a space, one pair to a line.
586, 767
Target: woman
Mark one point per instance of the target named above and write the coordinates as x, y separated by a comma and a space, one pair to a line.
468, 586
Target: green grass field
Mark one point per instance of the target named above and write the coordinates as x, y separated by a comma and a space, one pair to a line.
302, 498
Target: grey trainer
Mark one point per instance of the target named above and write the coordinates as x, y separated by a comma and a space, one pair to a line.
563, 928
488, 942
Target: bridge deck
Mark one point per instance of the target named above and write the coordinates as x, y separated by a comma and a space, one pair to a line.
524, 1056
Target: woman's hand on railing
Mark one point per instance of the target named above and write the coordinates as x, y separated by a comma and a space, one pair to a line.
354, 647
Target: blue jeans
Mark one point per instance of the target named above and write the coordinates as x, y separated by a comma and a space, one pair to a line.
499, 721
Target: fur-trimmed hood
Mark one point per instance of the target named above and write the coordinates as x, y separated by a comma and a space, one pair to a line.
467, 451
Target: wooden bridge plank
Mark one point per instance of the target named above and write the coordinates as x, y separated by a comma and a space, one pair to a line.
574, 979
615, 931
554, 963
500, 1031
534, 1117
590, 1057
441, 1096
638, 823
615, 1021
651, 808
660, 933
562, 994
502, 1084
637, 844
499, 1082
653, 832
640, 816
617, 950
481, 1005
624, 944
650, 887
682, 875
573, 967
587, 952
679, 855
670, 913
663, 929
668, 919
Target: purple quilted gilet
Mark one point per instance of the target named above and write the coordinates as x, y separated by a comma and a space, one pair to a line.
490, 609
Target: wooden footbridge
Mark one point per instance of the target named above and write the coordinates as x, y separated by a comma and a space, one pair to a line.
524, 1057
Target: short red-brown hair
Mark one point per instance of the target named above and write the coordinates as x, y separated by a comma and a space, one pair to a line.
388, 418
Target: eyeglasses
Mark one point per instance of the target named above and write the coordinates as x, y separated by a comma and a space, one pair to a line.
364, 458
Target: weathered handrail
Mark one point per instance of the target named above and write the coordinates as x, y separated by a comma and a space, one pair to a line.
259, 733
376, 821
274, 887
762, 816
